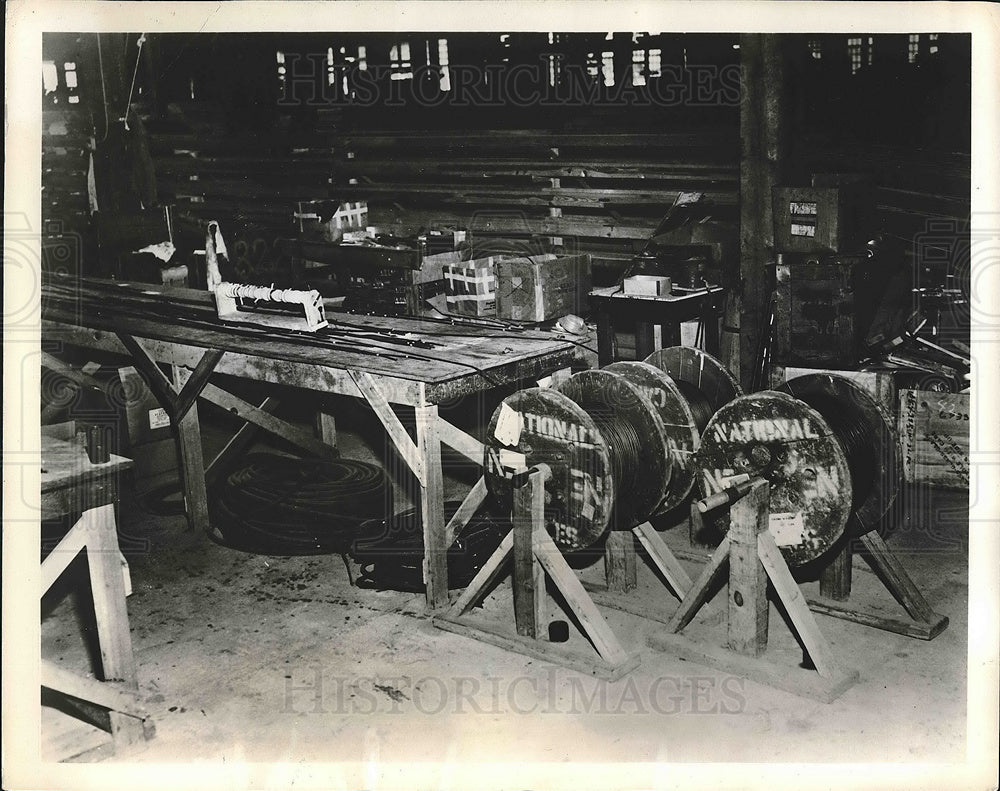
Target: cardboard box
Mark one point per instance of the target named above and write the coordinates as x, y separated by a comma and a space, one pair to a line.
151, 443
934, 434
542, 287
647, 285
815, 220
471, 287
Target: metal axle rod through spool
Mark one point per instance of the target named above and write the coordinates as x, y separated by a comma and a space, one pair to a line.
830, 457
618, 441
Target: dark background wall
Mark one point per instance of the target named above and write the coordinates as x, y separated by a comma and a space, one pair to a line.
528, 140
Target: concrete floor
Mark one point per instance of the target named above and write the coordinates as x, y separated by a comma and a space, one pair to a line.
245, 657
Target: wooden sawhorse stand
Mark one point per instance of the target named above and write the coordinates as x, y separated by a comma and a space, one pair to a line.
835, 591
70, 483
535, 557
753, 559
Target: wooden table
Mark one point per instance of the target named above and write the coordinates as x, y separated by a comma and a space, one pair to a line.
410, 362
617, 310
70, 485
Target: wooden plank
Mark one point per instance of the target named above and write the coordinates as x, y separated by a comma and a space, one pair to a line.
65, 465
798, 681
885, 563
484, 578
238, 444
465, 511
587, 663
431, 503
196, 382
620, 568
64, 553
866, 616
528, 584
460, 441
748, 606
795, 605
590, 618
698, 592
663, 558
408, 450
108, 694
266, 420
111, 615
835, 580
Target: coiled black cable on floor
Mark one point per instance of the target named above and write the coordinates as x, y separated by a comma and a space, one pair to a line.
391, 552
282, 505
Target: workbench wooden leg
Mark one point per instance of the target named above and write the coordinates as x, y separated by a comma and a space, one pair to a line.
710, 321
432, 507
326, 428
606, 351
670, 335
192, 461
644, 341
111, 612
620, 561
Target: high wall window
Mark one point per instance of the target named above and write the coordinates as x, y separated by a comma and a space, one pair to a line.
913, 47
854, 53
933, 48
59, 82
399, 61
815, 49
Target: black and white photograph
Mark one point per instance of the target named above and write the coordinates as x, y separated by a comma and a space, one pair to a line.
511, 395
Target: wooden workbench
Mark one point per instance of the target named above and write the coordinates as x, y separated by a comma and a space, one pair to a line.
410, 362
617, 311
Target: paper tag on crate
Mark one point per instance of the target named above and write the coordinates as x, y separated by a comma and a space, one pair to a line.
786, 528
509, 426
158, 418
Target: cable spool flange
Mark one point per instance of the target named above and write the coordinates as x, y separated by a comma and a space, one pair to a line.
637, 441
870, 444
775, 436
693, 368
678, 423
543, 426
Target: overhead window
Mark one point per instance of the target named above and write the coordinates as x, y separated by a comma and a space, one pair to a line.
399, 60
854, 53
913, 47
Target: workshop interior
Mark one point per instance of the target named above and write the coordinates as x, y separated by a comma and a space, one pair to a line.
466, 395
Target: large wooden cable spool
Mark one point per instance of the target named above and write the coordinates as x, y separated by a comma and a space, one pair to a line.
604, 443
775, 436
699, 386
869, 442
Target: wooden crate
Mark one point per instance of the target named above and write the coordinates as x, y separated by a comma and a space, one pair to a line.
542, 287
934, 432
823, 310
879, 384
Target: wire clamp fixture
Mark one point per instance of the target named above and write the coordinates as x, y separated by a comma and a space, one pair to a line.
274, 307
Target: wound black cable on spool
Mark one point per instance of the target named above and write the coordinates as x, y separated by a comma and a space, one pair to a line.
289, 506
700, 406
623, 444
391, 551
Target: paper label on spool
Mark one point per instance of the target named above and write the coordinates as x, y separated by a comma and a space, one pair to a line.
158, 418
509, 426
512, 460
786, 528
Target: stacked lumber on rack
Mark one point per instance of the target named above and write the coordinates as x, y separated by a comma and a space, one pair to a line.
66, 137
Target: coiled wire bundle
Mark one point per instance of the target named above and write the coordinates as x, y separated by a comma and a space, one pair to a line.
288, 506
